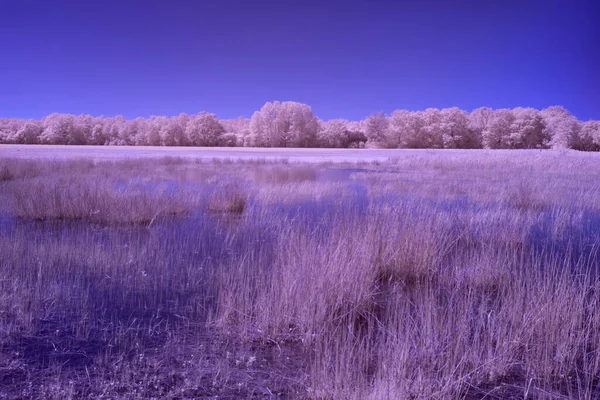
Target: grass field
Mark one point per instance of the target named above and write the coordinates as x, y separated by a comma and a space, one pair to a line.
266, 274
114, 153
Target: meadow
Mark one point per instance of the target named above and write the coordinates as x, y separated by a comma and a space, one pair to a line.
461, 274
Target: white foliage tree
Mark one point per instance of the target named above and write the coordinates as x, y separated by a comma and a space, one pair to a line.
528, 130
58, 128
153, 127
589, 136
332, 132
405, 129
115, 131
376, 128
237, 132
497, 133
129, 132
204, 129
5, 131
82, 129
291, 124
98, 136
479, 120
28, 133
287, 124
340, 133
431, 130
171, 132
455, 130
561, 127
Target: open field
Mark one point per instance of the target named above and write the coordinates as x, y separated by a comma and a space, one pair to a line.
242, 273
69, 152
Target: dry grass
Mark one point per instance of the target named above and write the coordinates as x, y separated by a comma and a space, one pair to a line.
462, 278
6, 173
97, 202
229, 196
96, 193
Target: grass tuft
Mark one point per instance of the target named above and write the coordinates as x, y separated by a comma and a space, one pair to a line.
5, 173
228, 197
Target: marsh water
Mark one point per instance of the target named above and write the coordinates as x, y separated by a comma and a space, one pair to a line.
203, 235
206, 231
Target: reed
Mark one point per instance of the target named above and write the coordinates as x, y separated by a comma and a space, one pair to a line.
465, 277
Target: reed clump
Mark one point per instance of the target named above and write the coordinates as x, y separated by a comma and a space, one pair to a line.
228, 197
93, 201
5, 173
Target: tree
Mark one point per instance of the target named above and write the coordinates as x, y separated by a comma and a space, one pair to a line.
171, 132
431, 130
204, 129
589, 136
287, 124
303, 125
137, 132
82, 129
5, 131
237, 131
455, 131
331, 132
340, 133
98, 135
152, 135
129, 132
561, 127
405, 129
376, 128
58, 129
527, 130
479, 120
497, 133
115, 131
28, 133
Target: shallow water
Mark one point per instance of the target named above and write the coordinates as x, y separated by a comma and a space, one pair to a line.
583, 233
203, 236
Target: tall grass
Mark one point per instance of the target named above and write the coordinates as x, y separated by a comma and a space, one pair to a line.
87, 192
229, 196
98, 202
399, 308
464, 277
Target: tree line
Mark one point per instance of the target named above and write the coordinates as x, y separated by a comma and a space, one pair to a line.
292, 124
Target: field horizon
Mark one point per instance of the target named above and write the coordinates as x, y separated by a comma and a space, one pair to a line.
299, 155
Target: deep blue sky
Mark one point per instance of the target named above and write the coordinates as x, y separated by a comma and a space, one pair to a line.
347, 59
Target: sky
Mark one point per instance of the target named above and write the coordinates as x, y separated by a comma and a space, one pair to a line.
346, 59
